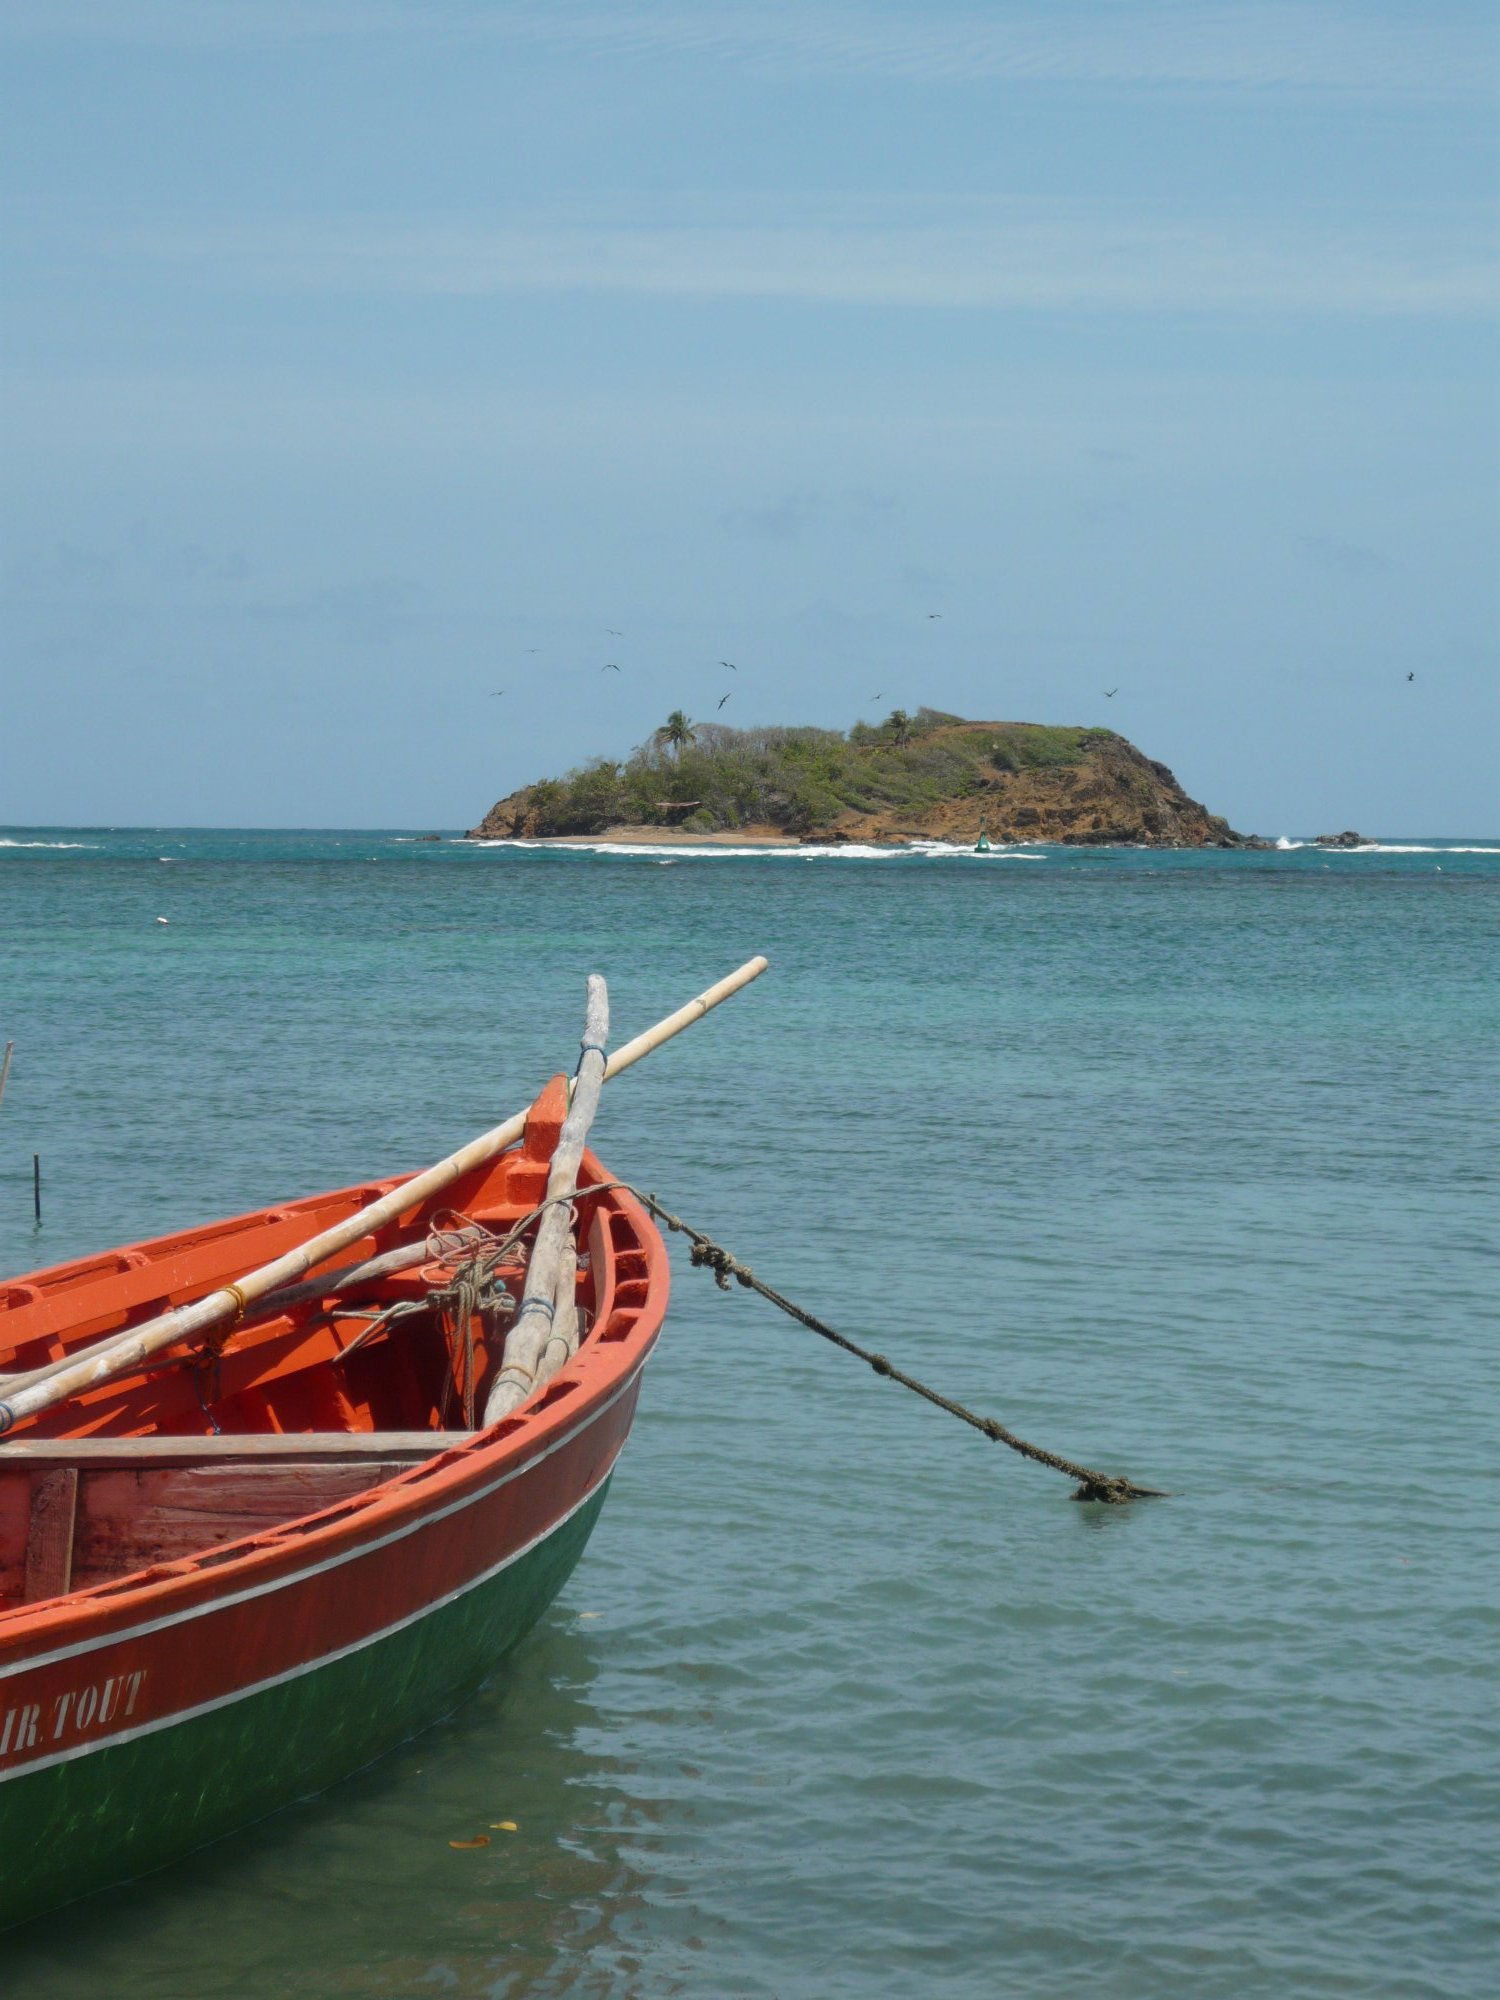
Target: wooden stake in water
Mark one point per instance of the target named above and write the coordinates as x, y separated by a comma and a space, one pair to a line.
5, 1069
36, 1184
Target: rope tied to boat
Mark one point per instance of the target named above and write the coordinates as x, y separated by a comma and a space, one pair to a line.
215, 1338
472, 1291
1109, 1489
470, 1284
207, 1359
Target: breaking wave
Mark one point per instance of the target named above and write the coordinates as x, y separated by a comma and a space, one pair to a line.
1399, 847
1285, 846
850, 851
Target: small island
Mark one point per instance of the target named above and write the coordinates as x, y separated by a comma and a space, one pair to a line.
926, 776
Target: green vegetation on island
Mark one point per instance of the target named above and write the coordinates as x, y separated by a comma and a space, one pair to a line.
911, 776
707, 778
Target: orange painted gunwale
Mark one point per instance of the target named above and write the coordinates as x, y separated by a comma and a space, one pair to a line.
616, 1349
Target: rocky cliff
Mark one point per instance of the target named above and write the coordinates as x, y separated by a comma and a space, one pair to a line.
1113, 795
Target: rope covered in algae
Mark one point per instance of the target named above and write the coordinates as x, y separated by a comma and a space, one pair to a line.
1112, 1490
468, 1284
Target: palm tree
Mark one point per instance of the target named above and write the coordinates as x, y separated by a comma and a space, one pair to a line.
898, 722
675, 731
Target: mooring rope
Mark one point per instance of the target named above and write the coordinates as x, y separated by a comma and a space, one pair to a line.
1111, 1489
472, 1287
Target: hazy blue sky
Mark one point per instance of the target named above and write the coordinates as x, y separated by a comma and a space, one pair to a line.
355, 349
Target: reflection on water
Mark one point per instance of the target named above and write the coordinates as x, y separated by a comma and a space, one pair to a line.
359, 1893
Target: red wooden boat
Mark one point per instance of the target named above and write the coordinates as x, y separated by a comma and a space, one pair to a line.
257, 1560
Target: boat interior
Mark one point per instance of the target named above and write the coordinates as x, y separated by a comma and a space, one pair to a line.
317, 1395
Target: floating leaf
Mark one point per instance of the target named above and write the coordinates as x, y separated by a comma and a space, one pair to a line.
482, 1840
505, 1825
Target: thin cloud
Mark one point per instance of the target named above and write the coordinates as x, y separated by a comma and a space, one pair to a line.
780, 520
368, 611
1013, 257
787, 518
1254, 46
1302, 45
1349, 558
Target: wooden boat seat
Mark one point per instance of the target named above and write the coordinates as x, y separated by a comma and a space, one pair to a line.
80, 1511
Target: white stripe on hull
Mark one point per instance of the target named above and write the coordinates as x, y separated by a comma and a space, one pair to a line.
323, 1660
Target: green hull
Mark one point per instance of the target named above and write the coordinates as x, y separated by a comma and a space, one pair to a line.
77, 1827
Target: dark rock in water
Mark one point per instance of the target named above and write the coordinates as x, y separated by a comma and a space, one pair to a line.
429, 836
1348, 838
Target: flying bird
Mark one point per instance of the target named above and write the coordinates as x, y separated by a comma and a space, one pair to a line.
934, 614
876, 697
609, 667
730, 664
533, 649
723, 699
496, 691
1110, 693
613, 633
1411, 677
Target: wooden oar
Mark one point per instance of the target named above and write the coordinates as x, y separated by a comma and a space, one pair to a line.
545, 1327
346, 1278
120, 1354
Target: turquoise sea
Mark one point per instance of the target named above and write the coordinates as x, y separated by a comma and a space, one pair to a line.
1182, 1164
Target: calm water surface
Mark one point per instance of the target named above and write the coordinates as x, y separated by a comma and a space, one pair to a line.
1182, 1164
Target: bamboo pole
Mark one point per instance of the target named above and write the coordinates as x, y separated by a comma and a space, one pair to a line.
403, 1258
229, 1302
562, 1342
548, 1297
345, 1279
632, 1052
10, 1048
